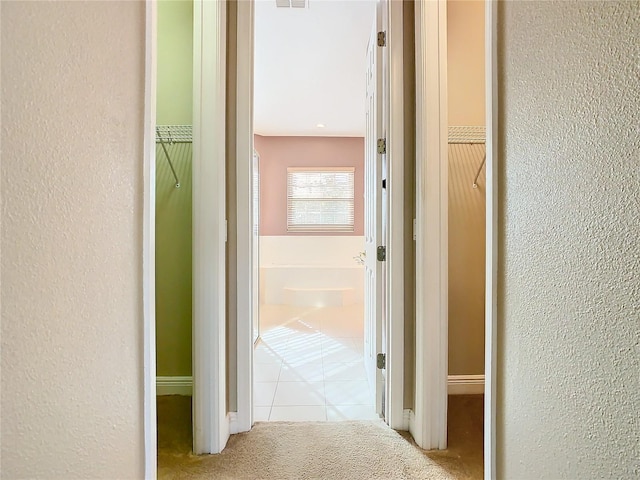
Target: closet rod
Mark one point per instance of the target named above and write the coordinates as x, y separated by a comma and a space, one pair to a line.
173, 170
173, 134
475, 180
469, 135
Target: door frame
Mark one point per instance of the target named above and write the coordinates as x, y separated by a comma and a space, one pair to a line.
212, 384
395, 253
244, 218
429, 422
492, 240
397, 228
149, 243
210, 418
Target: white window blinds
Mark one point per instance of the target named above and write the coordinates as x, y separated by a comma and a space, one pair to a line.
320, 199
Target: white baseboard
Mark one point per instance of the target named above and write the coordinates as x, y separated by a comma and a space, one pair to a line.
465, 384
407, 418
233, 423
412, 423
456, 385
174, 386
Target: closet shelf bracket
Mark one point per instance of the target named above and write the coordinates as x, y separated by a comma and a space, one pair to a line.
166, 153
475, 180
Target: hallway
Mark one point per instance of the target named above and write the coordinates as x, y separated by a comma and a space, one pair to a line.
322, 450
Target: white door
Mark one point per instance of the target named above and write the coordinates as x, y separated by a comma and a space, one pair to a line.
255, 244
374, 167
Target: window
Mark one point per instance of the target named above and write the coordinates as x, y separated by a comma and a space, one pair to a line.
320, 199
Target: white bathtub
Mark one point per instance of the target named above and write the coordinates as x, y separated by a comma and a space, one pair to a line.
311, 285
311, 271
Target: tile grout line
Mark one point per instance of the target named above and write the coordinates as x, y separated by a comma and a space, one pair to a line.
324, 384
275, 391
273, 400
352, 344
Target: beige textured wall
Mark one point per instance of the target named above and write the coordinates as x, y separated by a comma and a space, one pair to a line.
569, 309
72, 128
466, 100
466, 261
465, 68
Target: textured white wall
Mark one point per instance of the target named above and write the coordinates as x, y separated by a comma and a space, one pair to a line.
569, 331
72, 118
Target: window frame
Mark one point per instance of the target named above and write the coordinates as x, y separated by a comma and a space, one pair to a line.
320, 227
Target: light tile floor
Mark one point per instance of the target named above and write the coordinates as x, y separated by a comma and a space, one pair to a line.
308, 365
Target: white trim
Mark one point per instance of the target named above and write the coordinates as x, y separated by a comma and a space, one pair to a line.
234, 426
149, 243
396, 230
244, 217
413, 427
430, 428
174, 386
491, 300
466, 384
210, 424
407, 415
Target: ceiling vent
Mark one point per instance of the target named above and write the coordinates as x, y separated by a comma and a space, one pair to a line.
292, 3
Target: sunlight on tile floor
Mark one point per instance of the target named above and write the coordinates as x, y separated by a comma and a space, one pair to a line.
309, 365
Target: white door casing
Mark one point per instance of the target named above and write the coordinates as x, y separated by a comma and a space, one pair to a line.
429, 426
246, 217
148, 248
397, 230
373, 234
255, 245
491, 300
210, 421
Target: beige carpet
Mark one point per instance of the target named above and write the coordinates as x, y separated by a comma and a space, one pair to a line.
314, 450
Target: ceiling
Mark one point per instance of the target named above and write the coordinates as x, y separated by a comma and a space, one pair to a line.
310, 67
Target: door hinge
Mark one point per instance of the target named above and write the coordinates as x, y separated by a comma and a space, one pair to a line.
382, 39
381, 361
382, 145
382, 253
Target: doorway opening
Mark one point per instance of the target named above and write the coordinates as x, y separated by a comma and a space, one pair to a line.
210, 417
466, 156
308, 188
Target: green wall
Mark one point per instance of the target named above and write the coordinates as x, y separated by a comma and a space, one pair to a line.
175, 62
173, 205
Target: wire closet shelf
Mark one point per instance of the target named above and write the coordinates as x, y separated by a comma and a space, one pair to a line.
170, 134
472, 136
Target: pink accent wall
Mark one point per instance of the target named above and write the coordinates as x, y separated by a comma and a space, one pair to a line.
278, 153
